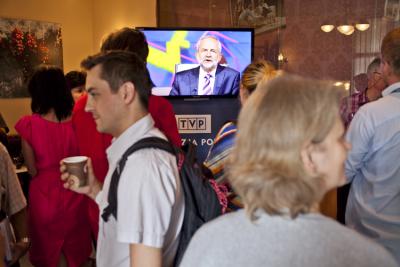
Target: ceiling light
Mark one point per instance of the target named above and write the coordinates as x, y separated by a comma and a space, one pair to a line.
345, 29
362, 26
338, 84
327, 27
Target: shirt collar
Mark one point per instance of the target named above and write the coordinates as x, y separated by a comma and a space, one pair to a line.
135, 132
203, 73
390, 89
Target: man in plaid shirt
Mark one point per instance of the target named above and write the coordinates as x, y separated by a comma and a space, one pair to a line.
352, 103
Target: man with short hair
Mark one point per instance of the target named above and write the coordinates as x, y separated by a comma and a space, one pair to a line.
373, 207
376, 85
209, 78
94, 144
145, 227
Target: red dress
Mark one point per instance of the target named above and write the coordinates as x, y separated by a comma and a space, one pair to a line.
94, 144
58, 220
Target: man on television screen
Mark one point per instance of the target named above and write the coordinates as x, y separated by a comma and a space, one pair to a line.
210, 78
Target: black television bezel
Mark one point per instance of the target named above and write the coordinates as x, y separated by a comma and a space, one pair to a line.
202, 97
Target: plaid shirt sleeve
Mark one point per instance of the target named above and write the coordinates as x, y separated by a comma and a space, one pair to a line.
11, 195
350, 105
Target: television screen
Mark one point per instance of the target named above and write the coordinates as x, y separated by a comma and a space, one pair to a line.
174, 50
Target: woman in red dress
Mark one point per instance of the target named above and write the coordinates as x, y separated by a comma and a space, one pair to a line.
58, 220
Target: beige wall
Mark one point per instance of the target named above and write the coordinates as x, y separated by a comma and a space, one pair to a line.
131, 13
83, 22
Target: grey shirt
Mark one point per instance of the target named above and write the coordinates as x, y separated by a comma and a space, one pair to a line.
308, 240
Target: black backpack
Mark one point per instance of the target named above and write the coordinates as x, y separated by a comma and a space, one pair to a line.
201, 201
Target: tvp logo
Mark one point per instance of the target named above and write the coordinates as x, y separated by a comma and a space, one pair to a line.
188, 124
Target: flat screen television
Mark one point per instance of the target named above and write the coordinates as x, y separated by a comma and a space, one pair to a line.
174, 49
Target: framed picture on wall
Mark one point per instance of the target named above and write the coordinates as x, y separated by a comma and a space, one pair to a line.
263, 15
392, 9
25, 44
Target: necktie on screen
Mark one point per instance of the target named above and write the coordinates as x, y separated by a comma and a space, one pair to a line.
207, 85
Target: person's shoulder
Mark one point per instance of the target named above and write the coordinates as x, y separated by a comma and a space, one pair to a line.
158, 100
223, 225
26, 120
350, 238
152, 158
3, 150
229, 70
378, 109
187, 72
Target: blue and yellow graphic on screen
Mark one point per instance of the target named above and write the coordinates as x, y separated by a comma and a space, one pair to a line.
170, 47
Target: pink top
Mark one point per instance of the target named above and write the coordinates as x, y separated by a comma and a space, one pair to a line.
58, 219
51, 141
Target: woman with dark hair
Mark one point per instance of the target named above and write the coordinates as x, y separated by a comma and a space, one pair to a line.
57, 217
76, 83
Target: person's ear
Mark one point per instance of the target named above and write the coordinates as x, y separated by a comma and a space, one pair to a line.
307, 159
128, 92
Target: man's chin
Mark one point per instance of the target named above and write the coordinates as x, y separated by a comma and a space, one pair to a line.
99, 128
208, 67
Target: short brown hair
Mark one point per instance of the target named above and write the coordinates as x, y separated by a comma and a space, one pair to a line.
118, 67
390, 50
127, 39
280, 117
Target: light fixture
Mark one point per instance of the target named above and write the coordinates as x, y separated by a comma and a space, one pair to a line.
362, 26
327, 27
345, 29
347, 86
338, 84
282, 58
344, 84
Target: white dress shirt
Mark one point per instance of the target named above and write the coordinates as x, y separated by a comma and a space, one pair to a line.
150, 200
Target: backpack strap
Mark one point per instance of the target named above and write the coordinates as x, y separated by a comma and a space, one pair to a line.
148, 142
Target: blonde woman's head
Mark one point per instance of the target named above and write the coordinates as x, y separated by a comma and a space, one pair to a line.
277, 164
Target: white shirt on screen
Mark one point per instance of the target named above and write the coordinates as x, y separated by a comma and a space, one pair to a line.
202, 80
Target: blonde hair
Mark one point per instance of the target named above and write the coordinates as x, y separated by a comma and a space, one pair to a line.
278, 120
258, 71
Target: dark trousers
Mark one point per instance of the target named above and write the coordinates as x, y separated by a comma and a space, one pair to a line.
342, 195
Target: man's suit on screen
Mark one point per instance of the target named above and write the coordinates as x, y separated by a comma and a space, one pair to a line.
226, 82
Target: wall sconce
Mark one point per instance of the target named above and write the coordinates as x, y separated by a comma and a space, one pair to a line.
282, 59
345, 84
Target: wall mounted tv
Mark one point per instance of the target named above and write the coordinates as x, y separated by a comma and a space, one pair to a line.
174, 49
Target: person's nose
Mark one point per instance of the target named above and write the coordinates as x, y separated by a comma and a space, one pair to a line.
89, 104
